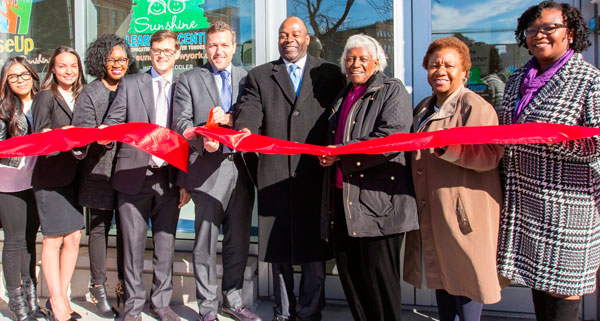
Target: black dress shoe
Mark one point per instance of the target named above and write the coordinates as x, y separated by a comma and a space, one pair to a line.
99, 298
75, 316
52, 317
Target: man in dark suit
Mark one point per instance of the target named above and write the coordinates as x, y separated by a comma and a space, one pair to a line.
145, 183
291, 99
221, 188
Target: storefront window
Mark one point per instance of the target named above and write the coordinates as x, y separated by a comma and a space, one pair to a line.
331, 22
488, 28
34, 29
137, 20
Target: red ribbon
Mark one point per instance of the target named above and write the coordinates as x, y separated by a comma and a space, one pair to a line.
153, 139
531, 133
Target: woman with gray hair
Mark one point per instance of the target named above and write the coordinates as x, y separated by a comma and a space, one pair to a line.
368, 200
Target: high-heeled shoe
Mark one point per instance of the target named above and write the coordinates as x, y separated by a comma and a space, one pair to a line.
120, 292
99, 298
52, 317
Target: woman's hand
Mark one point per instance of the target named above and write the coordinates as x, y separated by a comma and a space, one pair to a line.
328, 160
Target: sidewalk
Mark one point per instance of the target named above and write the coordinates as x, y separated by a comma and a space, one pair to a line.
333, 312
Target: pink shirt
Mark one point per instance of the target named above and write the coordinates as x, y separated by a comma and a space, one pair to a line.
353, 95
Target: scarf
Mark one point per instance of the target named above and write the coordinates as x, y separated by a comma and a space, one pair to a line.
532, 82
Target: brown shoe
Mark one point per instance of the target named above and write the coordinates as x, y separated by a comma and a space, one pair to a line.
164, 314
240, 314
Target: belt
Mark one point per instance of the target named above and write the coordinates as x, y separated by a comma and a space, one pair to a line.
154, 166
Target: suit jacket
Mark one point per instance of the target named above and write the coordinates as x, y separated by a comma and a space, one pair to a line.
134, 102
50, 111
195, 96
289, 186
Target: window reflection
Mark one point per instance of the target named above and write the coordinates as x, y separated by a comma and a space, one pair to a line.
331, 22
488, 29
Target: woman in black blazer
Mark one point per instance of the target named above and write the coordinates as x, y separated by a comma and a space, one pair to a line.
54, 181
108, 59
18, 211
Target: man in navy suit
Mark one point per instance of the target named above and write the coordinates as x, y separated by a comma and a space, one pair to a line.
222, 190
146, 183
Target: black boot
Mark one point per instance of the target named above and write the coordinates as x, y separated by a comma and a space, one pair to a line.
101, 301
29, 290
18, 306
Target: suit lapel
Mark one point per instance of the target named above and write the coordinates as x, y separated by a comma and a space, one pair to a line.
282, 77
208, 78
235, 85
64, 106
145, 85
306, 86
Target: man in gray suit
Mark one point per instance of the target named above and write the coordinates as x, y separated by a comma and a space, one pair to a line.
221, 188
145, 183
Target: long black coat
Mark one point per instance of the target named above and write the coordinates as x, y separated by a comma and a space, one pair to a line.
289, 187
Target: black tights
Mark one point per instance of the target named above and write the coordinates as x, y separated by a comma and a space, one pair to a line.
18, 213
549, 308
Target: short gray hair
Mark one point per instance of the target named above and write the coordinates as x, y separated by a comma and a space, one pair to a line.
370, 44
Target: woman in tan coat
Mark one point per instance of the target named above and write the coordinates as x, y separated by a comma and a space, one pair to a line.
458, 193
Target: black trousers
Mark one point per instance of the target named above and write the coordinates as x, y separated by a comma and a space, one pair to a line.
452, 306
549, 308
369, 269
312, 291
99, 226
18, 213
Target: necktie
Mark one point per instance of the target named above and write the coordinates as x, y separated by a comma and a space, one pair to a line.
225, 91
295, 78
162, 111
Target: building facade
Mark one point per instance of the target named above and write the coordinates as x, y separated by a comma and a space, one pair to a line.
404, 28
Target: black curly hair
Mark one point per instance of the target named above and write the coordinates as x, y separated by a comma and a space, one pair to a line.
95, 57
571, 16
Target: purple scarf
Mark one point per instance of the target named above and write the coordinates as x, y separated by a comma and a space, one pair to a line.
532, 82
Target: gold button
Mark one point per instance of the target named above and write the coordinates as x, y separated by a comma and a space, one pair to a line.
353, 233
392, 178
362, 175
350, 175
333, 131
357, 163
354, 122
350, 203
296, 113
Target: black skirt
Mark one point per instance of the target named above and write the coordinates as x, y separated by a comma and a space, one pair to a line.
58, 210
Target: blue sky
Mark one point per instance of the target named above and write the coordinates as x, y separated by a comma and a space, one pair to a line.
477, 18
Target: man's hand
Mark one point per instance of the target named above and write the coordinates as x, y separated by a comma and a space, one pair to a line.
184, 196
210, 145
326, 160
245, 130
222, 118
68, 126
103, 142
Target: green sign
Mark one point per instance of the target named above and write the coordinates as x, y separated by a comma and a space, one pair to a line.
150, 16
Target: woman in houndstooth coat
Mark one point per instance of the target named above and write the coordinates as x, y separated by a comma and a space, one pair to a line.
549, 238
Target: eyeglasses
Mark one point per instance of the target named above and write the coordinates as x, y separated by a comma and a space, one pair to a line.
13, 78
166, 52
545, 29
120, 61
